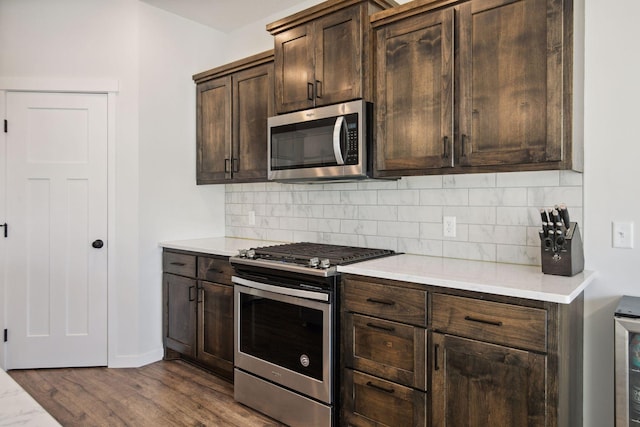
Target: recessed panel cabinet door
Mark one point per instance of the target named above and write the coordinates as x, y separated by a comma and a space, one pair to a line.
213, 151
215, 320
414, 95
510, 82
180, 318
252, 106
338, 57
295, 79
477, 384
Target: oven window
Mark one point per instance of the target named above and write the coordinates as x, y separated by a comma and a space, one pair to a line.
282, 334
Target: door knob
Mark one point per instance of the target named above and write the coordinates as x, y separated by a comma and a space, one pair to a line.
97, 244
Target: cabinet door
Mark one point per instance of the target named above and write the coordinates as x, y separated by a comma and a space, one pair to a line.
179, 314
476, 384
339, 57
414, 95
510, 82
253, 104
213, 133
215, 327
295, 78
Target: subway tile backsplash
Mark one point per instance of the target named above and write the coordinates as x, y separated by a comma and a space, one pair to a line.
497, 214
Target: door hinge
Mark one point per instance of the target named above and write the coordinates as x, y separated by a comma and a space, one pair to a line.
6, 335
6, 229
6, 125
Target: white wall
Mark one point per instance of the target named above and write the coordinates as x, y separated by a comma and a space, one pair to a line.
612, 91
152, 55
172, 49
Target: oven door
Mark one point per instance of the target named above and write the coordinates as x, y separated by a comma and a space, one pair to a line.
283, 336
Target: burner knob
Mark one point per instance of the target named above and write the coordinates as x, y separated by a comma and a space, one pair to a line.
313, 262
325, 263
242, 253
251, 254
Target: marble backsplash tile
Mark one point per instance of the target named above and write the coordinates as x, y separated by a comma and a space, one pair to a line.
497, 214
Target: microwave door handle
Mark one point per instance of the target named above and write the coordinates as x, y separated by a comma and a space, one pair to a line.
337, 133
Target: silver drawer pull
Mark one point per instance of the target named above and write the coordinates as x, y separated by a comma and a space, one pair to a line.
486, 322
179, 264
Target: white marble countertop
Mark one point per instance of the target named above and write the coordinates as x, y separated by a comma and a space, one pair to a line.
480, 276
225, 246
18, 408
487, 277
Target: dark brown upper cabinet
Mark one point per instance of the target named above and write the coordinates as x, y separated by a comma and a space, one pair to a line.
414, 95
475, 86
233, 103
322, 54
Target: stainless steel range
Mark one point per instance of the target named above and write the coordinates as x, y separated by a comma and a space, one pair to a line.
285, 329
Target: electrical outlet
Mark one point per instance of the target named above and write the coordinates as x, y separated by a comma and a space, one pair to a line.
449, 226
252, 218
622, 234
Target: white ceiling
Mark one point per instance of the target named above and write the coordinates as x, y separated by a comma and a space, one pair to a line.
223, 15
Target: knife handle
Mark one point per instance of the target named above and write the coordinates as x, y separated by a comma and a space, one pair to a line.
545, 229
543, 215
564, 214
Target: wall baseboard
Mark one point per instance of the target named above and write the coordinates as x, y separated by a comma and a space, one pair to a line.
136, 361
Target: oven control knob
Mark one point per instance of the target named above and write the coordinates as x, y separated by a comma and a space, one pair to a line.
251, 254
313, 262
242, 253
325, 263
304, 360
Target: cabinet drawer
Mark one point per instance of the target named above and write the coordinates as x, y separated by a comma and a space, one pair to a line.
386, 349
181, 264
386, 301
371, 401
507, 324
217, 270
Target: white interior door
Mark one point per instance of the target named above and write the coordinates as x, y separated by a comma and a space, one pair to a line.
56, 208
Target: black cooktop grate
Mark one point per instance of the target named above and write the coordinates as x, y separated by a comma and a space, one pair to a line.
337, 254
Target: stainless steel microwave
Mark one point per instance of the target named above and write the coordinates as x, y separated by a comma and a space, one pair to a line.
325, 143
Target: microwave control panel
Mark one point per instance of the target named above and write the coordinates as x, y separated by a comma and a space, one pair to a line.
351, 157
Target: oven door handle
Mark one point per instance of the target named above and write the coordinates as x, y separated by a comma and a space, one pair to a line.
282, 290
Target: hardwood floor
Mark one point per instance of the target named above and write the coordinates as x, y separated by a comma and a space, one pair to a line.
165, 393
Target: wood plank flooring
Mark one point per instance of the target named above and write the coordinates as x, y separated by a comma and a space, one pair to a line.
165, 393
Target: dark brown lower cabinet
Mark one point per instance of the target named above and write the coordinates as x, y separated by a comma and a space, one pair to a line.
384, 339
465, 359
215, 326
198, 310
477, 384
180, 314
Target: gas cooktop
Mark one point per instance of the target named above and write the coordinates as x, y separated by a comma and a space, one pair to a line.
309, 258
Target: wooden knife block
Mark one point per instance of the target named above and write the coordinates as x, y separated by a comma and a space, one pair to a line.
566, 260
